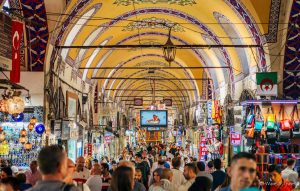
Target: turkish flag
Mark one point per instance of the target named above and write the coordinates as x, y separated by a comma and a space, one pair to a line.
17, 32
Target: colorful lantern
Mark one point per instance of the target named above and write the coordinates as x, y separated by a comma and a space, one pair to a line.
28, 146
30, 127
22, 140
23, 132
40, 129
33, 120
3, 106
18, 118
2, 137
15, 105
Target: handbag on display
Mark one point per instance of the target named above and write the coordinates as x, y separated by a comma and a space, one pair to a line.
285, 124
250, 117
284, 136
270, 122
296, 130
259, 122
249, 133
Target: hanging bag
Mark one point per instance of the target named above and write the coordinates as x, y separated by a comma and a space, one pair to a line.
296, 130
249, 133
270, 122
259, 122
285, 124
250, 118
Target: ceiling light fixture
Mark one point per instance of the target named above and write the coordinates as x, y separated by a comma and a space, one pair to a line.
169, 49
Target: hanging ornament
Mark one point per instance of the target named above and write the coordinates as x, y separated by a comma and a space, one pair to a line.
30, 127
15, 105
18, 118
33, 120
28, 146
2, 137
22, 140
23, 132
40, 129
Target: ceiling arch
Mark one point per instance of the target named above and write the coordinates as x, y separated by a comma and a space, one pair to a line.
193, 26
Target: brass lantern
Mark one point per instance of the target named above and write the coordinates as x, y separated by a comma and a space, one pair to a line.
23, 132
30, 126
33, 120
22, 140
15, 105
169, 49
28, 146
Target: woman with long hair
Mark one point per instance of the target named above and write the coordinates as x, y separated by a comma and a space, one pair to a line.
122, 179
155, 183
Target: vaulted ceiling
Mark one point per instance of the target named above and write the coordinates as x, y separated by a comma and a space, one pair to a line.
121, 22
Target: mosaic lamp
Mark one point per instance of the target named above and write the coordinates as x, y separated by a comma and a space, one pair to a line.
30, 126
22, 140
28, 146
33, 120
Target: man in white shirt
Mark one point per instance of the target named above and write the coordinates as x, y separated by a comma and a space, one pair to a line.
201, 171
81, 172
95, 181
178, 178
288, 173
190, 172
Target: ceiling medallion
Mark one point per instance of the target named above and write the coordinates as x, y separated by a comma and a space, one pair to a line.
178, 2
153, 23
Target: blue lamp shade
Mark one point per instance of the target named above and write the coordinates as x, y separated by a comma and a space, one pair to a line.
40, 129
18, 118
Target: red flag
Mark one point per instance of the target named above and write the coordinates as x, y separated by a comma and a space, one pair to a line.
17, 32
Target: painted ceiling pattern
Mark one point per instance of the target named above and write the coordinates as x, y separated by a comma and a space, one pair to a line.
147, 22
154, 23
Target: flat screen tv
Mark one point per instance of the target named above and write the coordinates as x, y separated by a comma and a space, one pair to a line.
154, 118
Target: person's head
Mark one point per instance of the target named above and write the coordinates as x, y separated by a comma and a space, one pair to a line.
21, 178
96, 170
33, 166
210, 165
95, 161
275, 173
122, 179
176, 162
200, 166
242, 170
104, 168
6, 172
138, 157
217, 164
157, 174
190, 171
202, 184
88, 164
138, 175
71, 168
167, 174
80, 162
291, 163
52, 160
9, 184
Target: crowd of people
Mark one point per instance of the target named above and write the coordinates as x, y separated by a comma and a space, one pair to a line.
143, 169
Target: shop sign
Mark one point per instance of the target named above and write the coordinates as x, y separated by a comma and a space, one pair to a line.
209, 112
202, 149
57, 128
235, 139
88, 149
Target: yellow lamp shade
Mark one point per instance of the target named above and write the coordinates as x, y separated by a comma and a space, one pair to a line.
28, 146
30, 126
23, 132
33, 120
22, 140
15, 105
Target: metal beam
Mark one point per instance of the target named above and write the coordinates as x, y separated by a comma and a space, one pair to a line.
151, 96
147, 78
158, 68
137, 90
180, 46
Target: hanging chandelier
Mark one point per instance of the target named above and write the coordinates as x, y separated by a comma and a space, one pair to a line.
169, 49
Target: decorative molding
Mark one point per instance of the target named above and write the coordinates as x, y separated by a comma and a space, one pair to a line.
177, 2
271, 37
